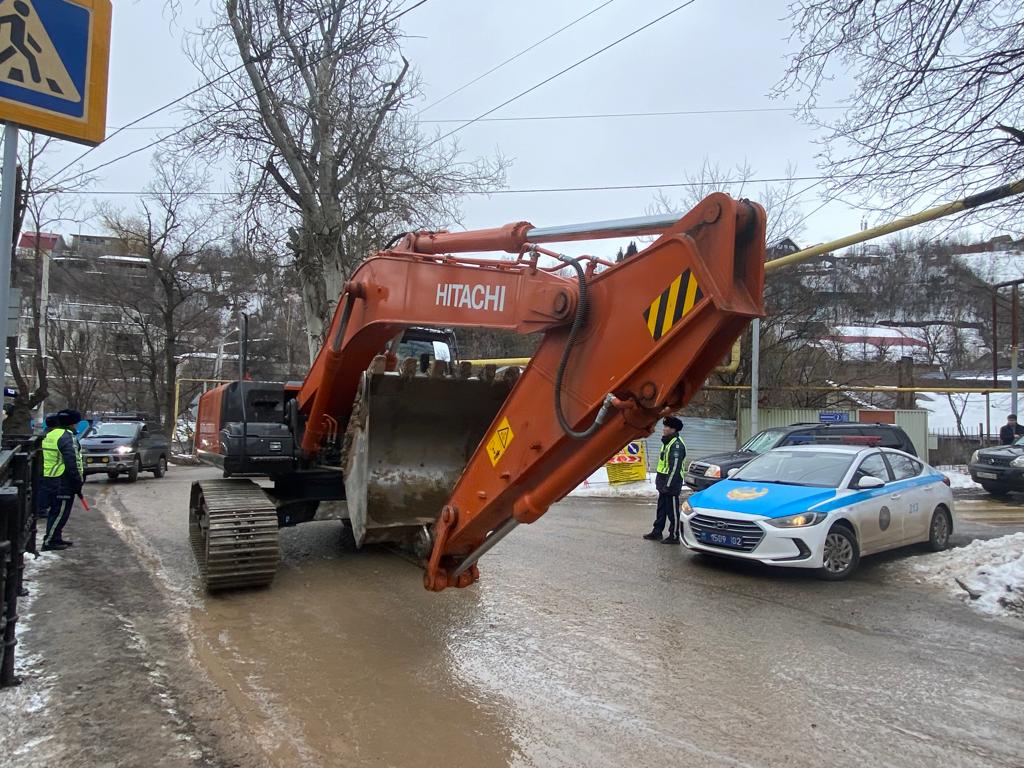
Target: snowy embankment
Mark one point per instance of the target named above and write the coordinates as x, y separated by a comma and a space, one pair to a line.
988, 574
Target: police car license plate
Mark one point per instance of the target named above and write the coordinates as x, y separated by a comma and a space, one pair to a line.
720, 539
988, 475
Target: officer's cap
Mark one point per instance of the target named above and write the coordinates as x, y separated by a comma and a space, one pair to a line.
68, 417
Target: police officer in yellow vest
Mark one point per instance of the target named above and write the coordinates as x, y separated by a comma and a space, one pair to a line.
669, 482
61, 480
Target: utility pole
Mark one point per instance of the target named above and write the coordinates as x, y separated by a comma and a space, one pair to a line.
44, 312
1014, 339
755, 373
10, 170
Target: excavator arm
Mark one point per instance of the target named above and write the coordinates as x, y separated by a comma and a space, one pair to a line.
621, 348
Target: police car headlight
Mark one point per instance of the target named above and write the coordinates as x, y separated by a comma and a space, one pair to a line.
975, 456
1018, 462
801, 520
713, 470
686, 509
123, 449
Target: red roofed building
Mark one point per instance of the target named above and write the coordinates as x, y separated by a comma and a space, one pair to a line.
47, 241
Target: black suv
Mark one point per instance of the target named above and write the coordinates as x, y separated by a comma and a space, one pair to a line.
999, 470
126, 446
708, 470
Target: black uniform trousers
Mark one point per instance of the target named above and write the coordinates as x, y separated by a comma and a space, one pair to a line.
668, 512
55, 501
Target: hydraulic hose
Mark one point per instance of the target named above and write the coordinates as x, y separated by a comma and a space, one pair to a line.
582, 305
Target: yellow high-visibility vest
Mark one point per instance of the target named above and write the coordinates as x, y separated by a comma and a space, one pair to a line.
53, 461
663, 456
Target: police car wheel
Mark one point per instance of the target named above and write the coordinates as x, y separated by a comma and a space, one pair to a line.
133, 473
841, 555
161, 468
939, 530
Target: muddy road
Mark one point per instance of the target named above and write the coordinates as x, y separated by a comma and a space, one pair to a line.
585, 645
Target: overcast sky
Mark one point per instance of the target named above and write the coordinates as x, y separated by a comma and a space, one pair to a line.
712, 55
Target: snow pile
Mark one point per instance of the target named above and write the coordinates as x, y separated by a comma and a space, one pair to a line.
638, 490
597, 485
960, 479
988, 574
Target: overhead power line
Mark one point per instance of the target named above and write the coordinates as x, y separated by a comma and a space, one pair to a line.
583, 116
530, 190
571, 67
509, 60
181, 98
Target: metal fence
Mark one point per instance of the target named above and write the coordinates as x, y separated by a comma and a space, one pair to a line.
18, 476
950, 447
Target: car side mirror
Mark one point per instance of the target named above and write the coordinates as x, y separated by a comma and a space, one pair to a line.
870, 482
732, 471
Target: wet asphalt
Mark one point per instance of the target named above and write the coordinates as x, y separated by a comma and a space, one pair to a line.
585, 645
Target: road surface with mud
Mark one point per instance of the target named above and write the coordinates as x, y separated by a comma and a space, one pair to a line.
581, 645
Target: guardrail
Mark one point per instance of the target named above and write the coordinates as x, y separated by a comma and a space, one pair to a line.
18, 479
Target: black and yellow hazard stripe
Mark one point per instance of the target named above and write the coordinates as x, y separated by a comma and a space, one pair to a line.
672, 304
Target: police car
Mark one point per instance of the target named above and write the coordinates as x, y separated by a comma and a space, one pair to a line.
821, 507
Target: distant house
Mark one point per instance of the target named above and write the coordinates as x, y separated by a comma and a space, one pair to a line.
48, 242
783, 247
861, 342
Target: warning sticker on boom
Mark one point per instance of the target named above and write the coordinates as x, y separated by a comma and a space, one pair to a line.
499, 441
673, 304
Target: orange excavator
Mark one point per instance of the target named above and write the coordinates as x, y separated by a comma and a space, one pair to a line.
428, 454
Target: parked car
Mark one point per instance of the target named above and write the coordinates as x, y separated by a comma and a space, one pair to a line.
125, 447
821, 507
708, 470
999, 470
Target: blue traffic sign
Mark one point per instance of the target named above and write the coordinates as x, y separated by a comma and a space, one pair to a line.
833, 417
53, 66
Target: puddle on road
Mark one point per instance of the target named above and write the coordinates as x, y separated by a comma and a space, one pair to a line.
354, 673
347, 660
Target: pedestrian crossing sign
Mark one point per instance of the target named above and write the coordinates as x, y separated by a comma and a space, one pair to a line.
53, 66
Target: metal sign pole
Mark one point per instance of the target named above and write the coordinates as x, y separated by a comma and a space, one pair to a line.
755, 374
7, 232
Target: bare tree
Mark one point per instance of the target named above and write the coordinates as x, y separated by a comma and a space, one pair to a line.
937, 107
172, 300
779, 200
330, 159
80, 355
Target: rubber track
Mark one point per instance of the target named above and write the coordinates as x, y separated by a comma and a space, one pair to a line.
241, 546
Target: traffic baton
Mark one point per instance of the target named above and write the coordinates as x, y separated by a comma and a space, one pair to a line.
85, 503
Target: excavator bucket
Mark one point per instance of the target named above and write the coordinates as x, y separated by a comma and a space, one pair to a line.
408, 440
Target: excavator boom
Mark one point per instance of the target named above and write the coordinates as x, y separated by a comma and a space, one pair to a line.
621, 348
